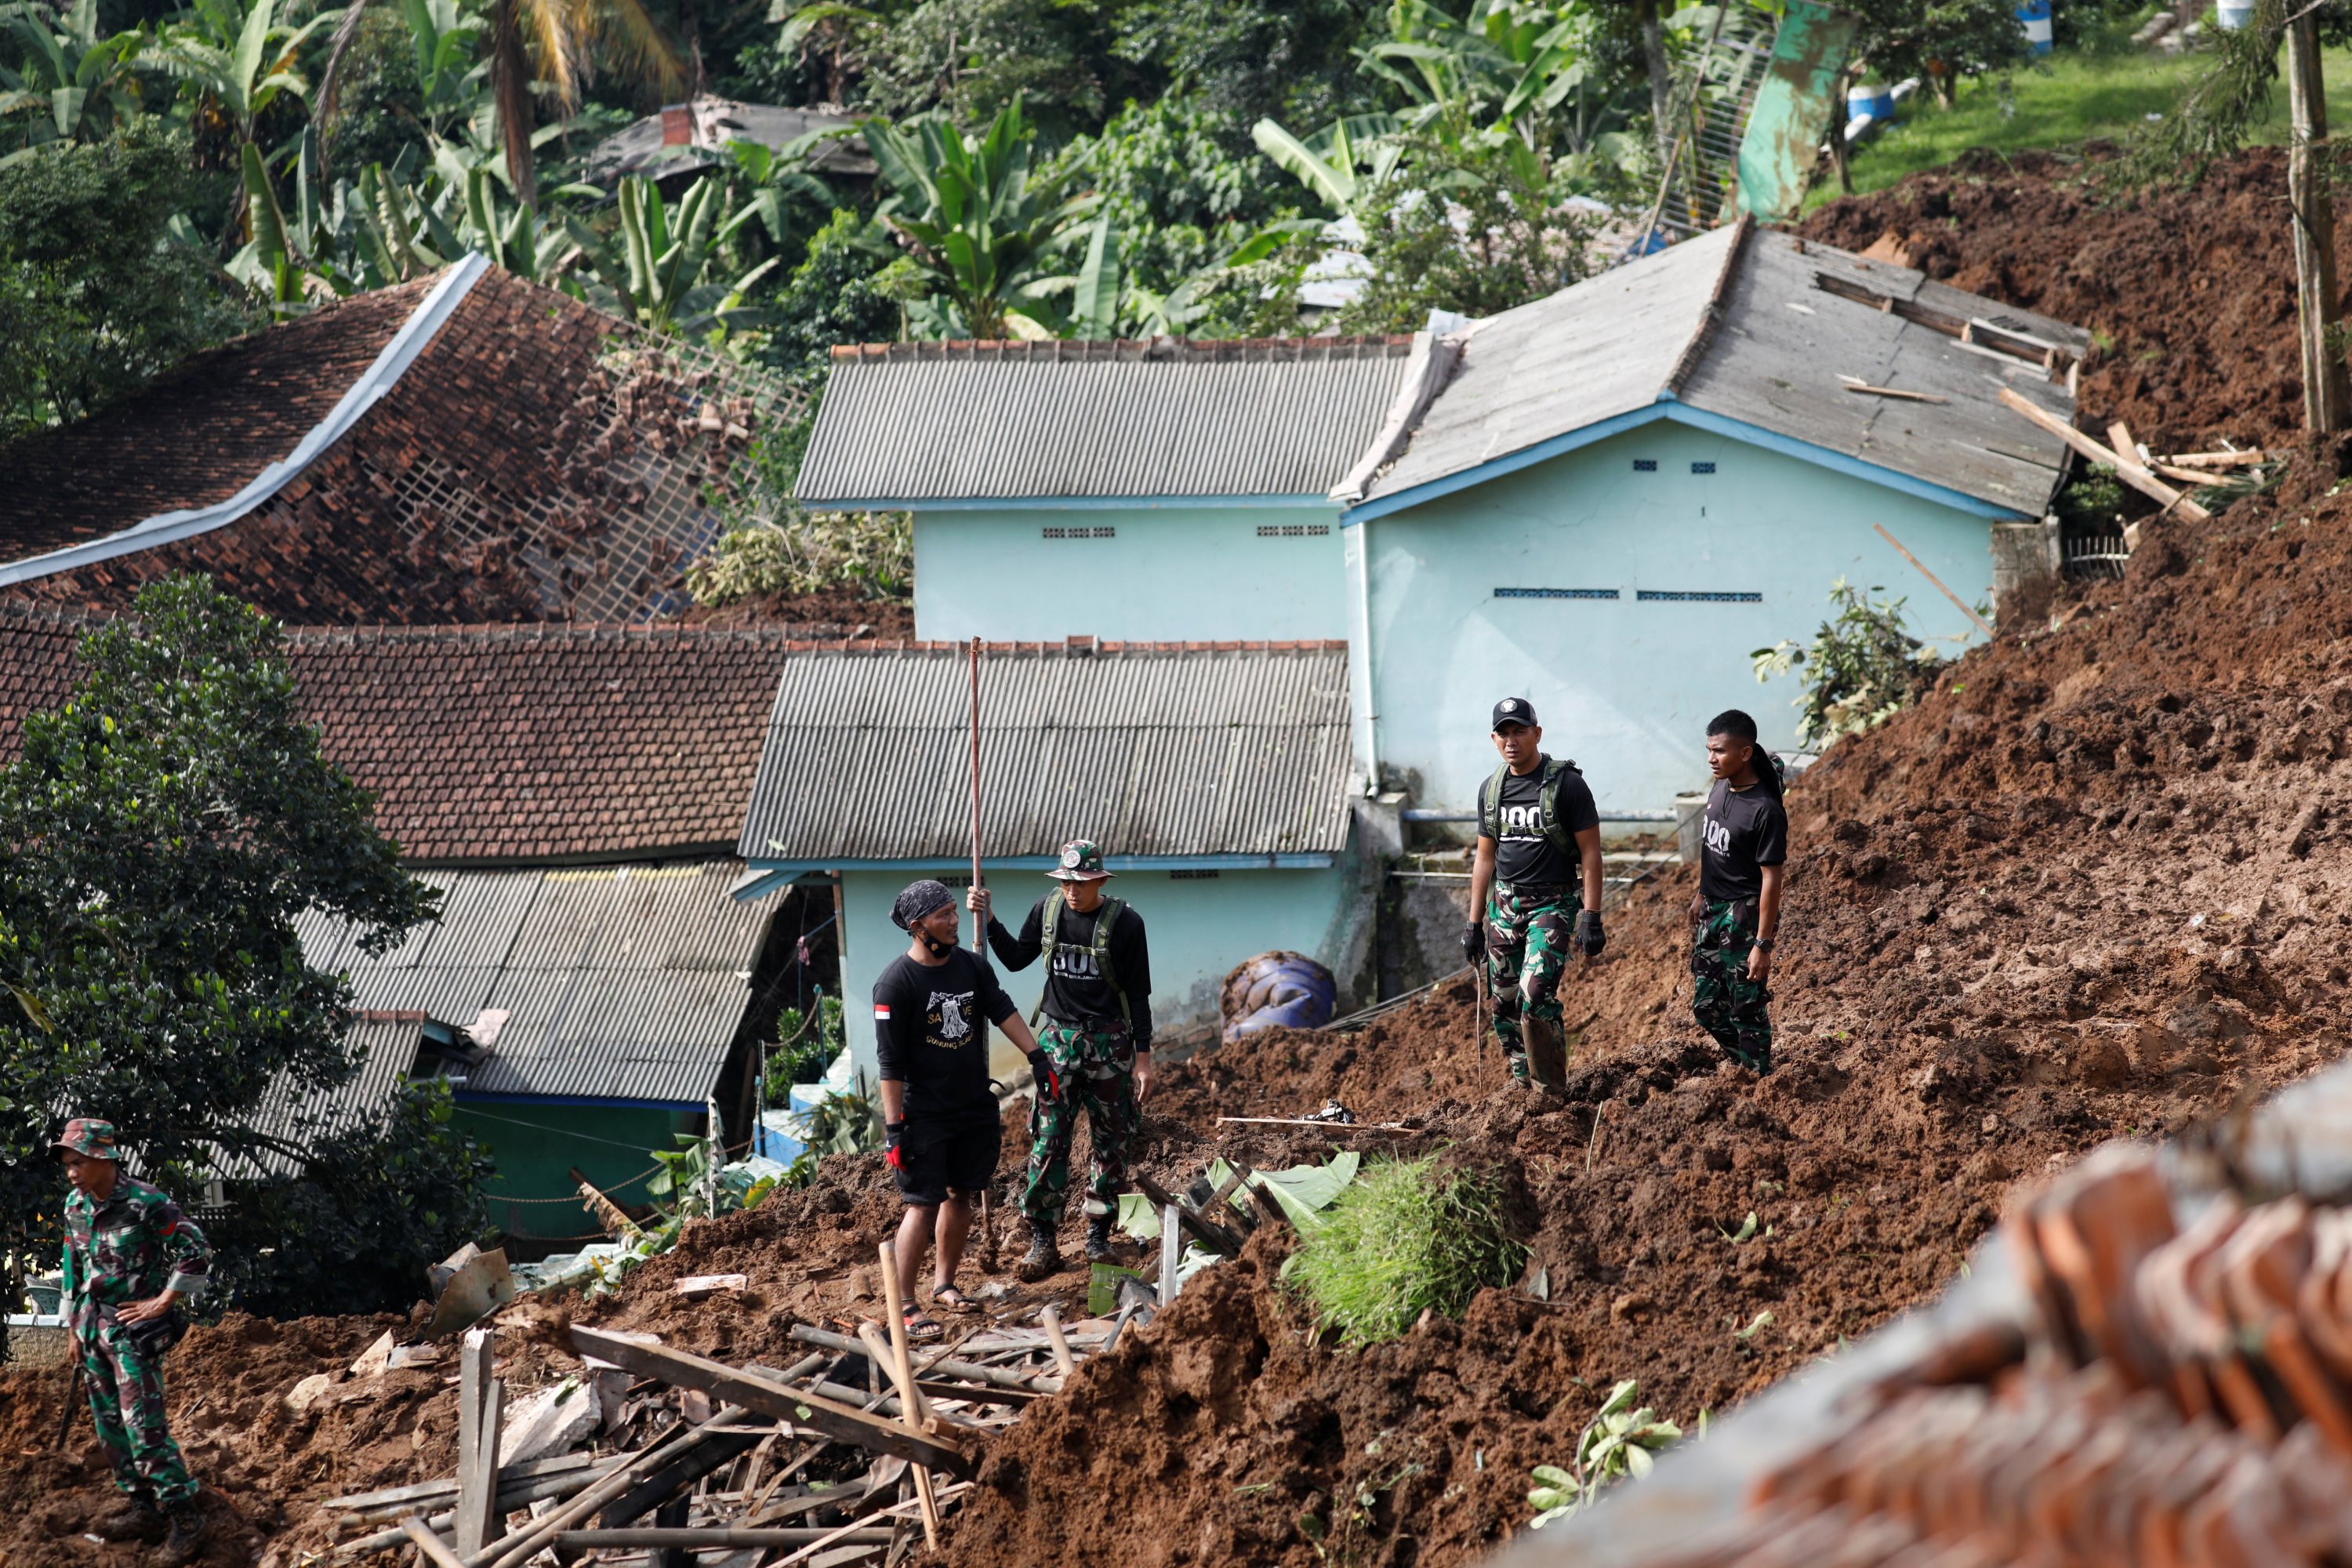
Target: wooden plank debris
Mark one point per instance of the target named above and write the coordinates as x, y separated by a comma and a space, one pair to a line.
2131, 472
1052, 1317
1982, 624
1002, 1378
479, 1415
699, 1537
1855, 384
430, 1544
1325, 1126
2230, 459
775, 1399
702, 1287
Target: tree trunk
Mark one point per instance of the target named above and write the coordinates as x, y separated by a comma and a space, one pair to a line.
511, 90
1839, 152
1662, 87
2327, 395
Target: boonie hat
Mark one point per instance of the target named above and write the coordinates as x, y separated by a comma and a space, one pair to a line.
87, 1135
1514, 710
1081, 862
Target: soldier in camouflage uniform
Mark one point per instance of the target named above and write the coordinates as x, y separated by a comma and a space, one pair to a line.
1098, 1004
1736, 912
130, 1258
1535, 892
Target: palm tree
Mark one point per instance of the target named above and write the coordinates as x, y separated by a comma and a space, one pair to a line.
553, 45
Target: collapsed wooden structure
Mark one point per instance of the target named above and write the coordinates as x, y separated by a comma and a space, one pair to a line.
699, 1461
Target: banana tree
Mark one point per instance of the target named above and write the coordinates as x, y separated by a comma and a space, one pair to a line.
237, 60
980, 237
659, 266
72, 81
450, 80
1104, 304
1343, 162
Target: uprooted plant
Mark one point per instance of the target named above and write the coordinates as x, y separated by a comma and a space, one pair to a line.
1619, 1441
1407, 1236
1862, 668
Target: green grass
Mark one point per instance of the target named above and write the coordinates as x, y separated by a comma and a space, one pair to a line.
1407, 1236
2102, 90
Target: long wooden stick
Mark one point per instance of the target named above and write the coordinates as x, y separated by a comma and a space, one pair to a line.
979, 923
903, 1367
2131, 473
429, 1544
1983, 624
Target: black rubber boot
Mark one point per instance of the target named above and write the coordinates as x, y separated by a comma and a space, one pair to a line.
1099, 1248
189, 1530
1546, 1052
1044, 1258
133, 1517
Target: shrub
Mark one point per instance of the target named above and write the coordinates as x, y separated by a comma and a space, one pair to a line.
1861, 669
1408, 1237
808, 552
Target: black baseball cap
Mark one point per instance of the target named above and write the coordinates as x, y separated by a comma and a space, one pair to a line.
1514, 710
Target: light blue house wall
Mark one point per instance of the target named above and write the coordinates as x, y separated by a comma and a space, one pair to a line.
1199, 927
1623, 684
1139, 572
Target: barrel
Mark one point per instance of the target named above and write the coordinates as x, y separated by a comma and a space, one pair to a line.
2229, 16
2034, 15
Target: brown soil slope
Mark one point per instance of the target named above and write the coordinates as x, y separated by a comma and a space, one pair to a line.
2190, 293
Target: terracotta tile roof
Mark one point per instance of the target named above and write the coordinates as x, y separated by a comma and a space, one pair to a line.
506, 743
539, 460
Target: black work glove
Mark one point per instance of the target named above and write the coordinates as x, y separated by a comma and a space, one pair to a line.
1042, 1073
1590, 939
893, 1133
1473, 940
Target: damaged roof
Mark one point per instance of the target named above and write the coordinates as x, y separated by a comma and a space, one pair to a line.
1766, 330
922, 424
467, 447
610, 982
504, 745
1152, 750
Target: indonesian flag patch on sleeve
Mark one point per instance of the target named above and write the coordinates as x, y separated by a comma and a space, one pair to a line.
882, 1011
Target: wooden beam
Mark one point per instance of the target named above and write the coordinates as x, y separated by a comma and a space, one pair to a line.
475, 1355
708, 1535
2131, 473
778, 1400
1897, 392
430, 1544
2215, 459
1052, 1317
2119, 437
526, 1542
916, 1419
681, 1472
1983, 624
1214, 1236
1026, 1383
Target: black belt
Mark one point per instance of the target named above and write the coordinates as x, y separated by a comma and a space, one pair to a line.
1116, 1025
1538, 890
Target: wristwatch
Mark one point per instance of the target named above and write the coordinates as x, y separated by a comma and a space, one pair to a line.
1763, 945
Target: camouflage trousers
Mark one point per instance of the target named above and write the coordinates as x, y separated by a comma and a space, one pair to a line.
126, 1402
1726, 1004
1098, 1072
1527, 949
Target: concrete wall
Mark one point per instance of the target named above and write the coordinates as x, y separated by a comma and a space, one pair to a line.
1199, 927
1177, 573
1625, 686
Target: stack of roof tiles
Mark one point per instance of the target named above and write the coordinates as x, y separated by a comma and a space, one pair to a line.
538, 460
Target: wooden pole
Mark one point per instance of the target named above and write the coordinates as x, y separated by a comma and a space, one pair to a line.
2326, 392
476, 1430
1931, 577
979, 924
429, 1544
1063, 1362
902, 1365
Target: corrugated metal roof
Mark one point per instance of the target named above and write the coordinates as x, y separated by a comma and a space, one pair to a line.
1149, 752
1745, 331
386, 1049
620, 982
1074, 420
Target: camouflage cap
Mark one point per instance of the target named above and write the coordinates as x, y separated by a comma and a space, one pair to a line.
1082, 861
87, 1135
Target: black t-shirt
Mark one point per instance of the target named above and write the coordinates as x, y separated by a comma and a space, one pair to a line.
1746, 830
927, 1035
1523, 854
1076, 993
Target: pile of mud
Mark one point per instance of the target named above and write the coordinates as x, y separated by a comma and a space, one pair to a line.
2190, 293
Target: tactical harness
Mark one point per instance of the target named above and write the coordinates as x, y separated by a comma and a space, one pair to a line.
1490, 805
1107, 915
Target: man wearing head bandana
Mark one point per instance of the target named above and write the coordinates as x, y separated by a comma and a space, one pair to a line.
933, 1007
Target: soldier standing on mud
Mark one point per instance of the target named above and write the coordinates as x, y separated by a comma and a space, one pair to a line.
1539, 854
1098, 1038
130, 1258
1737, 910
